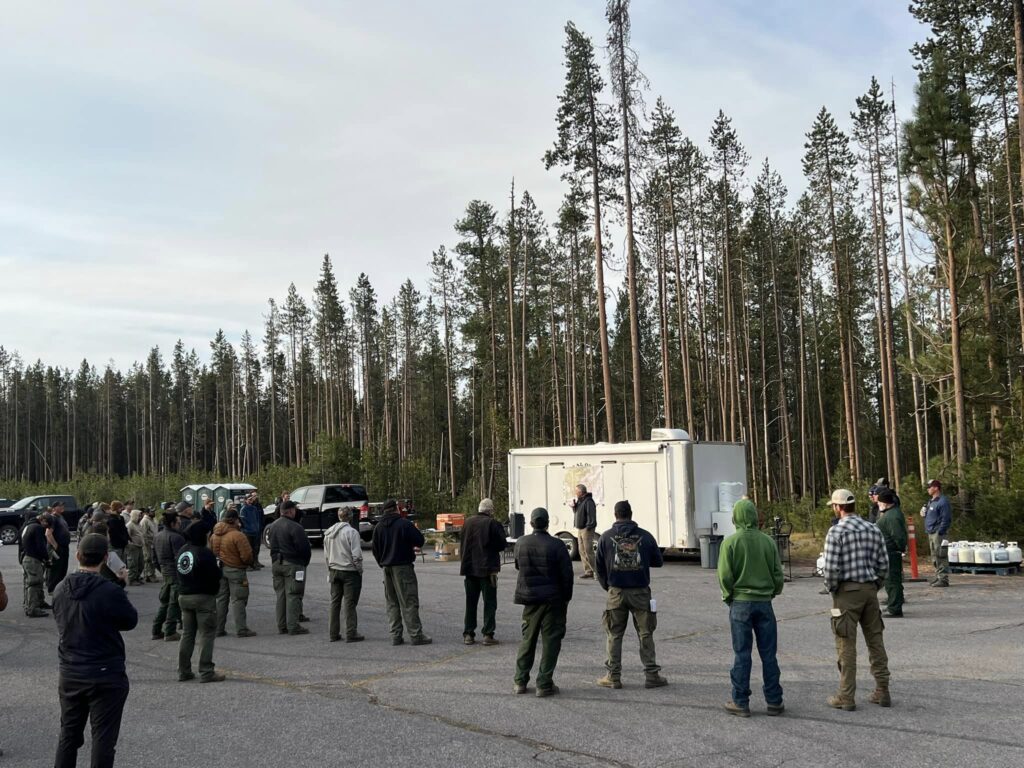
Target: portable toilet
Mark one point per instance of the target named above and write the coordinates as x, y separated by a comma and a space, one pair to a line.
228, 492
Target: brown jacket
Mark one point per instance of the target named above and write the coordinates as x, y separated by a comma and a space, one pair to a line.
231, 546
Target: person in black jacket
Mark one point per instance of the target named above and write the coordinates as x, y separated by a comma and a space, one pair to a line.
117, 531
91, 614
36, 548
167, 542
483, 538
585, 519
62, 552
289, 555
395, 540
198, 584
544, 589
625, 555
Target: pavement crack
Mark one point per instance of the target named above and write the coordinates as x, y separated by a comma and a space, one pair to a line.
993, 629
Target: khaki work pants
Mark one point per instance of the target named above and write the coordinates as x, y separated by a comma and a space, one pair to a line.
858, 606
623, 603
234, 590
586, 540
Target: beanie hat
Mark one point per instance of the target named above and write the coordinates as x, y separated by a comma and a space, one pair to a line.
93, 546
539, 518
622, 509
486, 506
886, 496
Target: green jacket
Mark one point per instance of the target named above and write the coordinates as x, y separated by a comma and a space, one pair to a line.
893, 526
749, 566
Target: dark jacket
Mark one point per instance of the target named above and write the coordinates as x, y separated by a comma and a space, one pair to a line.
893, 526
483, 538
252, 519
288, 542
91, 614
545, 570
625, 555
166, 545
117, 531
395, 540
33, 541
585, 512
209, 518
62, 535
198, 573
938, 515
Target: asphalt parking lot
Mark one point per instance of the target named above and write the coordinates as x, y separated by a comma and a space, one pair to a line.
957, 664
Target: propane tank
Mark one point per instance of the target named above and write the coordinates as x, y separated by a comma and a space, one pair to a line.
982, 553
952, 551
820, 565
999, 554
1013, 552
965, 553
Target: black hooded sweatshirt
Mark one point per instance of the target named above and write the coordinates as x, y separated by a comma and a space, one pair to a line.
117, 531
91, 614
395, 540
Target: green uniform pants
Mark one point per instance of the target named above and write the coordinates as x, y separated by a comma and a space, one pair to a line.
148, 566
585, 538
345, 588
198, 617
939, 559
169, 614
34, 579
621, 604
402, 598
894, 583
858, 604
234, 589
289, 591
134, 552
545, 622
475, 587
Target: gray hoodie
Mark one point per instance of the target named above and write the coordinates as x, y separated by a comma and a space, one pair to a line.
343, 548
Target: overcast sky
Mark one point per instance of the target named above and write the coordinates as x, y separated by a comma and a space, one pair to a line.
165, 167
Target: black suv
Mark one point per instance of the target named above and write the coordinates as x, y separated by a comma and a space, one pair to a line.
15, 516
318, 507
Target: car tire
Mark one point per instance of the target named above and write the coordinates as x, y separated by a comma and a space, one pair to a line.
8, 535
571, 544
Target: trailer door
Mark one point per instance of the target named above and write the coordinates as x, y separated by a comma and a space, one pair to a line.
532, 489
640, 488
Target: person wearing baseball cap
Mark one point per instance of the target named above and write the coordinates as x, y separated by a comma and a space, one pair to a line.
856, 564
938, 516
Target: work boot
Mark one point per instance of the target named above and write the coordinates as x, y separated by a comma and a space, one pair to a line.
422, 640
940, 583
881, 697
158, 637
587, 576
216, 677
774, 710
184, 677
468, 639
397, 640
489, 640
543, 693
655, 681
36, 614
172, 638
47, 606
519, 688
303, 617
222, 633
839, 703
610, 682
354, 639
246, 633
298, 631
891, 615
735, 709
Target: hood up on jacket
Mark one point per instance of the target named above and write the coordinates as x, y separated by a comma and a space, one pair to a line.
222, 528
744, 515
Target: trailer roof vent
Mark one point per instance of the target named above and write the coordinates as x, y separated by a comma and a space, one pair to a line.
669, 434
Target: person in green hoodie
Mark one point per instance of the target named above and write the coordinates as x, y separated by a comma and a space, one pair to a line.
750, 574
893, 526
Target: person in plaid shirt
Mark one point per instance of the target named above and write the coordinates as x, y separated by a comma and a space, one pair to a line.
855, 566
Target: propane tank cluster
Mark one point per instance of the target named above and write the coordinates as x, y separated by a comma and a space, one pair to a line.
994, 553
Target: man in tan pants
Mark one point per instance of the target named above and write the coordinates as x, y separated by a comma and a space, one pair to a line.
855, 567
585, 516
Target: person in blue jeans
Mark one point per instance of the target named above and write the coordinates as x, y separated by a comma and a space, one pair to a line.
750, 574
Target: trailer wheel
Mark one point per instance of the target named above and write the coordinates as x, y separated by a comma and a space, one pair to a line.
571, 544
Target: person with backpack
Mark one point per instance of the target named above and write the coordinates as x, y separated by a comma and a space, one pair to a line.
625, 555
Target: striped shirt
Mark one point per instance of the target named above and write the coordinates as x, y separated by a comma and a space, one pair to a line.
854, 551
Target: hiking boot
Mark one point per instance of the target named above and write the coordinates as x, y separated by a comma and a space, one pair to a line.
468, 639
587, 576
519, 688
774, 710
881, 697
610, 682
543, 693
298, 631
422, 640
940, 583
216, 677
354, 639
246, 633
36, 614
184, 677
222, 633
735, 709
838, 703
655, 681
335, 639
489, 640
892, 615
397, 640
172, 638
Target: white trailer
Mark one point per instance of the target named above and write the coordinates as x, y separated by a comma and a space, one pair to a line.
679, 489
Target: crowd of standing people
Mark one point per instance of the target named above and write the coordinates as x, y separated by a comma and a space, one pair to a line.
204, 562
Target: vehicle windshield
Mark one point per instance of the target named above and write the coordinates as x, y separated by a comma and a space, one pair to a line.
23, 503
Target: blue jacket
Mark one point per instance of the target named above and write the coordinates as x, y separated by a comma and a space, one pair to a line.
938, 516
625, 555
252, 519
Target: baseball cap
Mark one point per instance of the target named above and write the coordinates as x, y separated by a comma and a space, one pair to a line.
842, 496
539, 517
181, 506
935, 484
